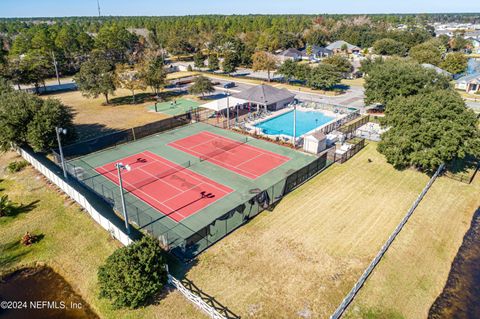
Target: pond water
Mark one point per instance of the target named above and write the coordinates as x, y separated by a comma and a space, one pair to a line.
461, 296
473, 66
43, 294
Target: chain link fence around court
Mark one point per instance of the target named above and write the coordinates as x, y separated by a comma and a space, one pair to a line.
122, 137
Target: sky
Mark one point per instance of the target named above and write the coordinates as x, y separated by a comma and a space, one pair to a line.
60, 8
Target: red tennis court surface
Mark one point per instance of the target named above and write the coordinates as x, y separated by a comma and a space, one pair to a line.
241, 158
172, 189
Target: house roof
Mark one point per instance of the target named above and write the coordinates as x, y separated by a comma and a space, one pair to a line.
437, 69
318, 49
292, 52
469, 78
337, 45
264, 95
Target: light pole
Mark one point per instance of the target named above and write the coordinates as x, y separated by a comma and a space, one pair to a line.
120, 167
294, 124
63, 131
228, 110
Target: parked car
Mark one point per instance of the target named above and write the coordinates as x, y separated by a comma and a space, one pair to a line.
229, 85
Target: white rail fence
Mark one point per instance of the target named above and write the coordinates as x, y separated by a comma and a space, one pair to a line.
111, 228
198, 301
358, 285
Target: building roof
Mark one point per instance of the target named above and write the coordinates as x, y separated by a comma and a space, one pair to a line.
292, 52
469, 78
264, 95
437, 69
318, 49
337, 45
318, 135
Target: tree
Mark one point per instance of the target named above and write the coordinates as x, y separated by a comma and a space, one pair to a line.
130, 79
302, 72
116, 42
96, 77
27, 119
230, 63
199, 60
455, 63
340, 63
41, 135
133, 274
264, 61
213, 63
389, 79
201, 86
426, 130
324, 77
288, 69
389, 47
426, 53
154, 74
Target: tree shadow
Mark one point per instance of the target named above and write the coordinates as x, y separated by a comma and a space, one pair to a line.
139, 99
11, 252
23, 209
92, 130
468, 164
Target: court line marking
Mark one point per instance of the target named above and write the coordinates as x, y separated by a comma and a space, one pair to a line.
219, 163
156, 158
214, 136
192, 174
248, 145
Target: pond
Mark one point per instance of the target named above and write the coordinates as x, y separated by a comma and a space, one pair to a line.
461, 296
41, 293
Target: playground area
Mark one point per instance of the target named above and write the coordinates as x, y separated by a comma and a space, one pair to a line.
192, 185
174, 107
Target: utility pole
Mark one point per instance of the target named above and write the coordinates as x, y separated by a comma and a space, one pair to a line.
63, 131
55, 64
98, 7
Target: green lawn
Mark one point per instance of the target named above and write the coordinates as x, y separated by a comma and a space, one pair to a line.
181, 106
73, 244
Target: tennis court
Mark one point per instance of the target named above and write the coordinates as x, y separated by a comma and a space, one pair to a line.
174, 107
172, 189
236, 156
192, 185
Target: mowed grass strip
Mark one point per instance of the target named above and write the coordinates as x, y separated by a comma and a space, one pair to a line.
73, 244
303, 257
415, 269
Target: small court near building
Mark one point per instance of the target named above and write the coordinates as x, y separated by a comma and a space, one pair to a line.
192, 185
174, 107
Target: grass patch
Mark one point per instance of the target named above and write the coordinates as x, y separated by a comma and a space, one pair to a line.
72, 244
318, 240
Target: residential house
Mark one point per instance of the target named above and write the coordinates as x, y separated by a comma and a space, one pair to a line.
469, 83
290, 54
338, 46
317, 53
475, 44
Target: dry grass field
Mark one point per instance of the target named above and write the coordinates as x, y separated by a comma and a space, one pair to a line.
302, 258
73, 244
415, 269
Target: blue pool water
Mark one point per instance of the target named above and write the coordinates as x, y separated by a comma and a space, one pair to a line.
283, 124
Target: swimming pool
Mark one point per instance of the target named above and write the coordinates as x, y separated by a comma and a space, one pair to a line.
283, 124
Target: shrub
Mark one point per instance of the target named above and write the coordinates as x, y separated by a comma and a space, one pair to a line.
133, 274
16, 166
29, 239
7, 207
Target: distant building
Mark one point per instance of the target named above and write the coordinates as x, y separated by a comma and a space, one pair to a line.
290, 54
475, 44
337, 47
437, 69
469, 83
318, 53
